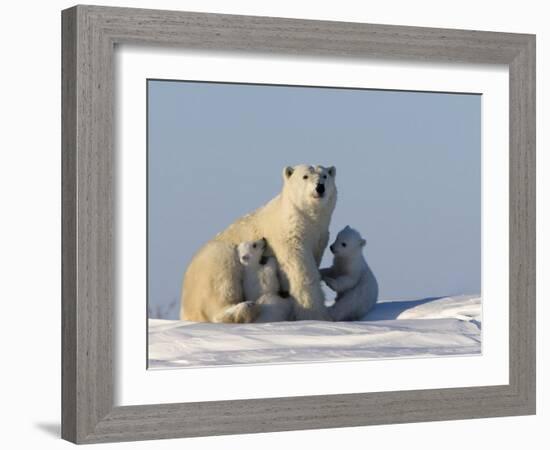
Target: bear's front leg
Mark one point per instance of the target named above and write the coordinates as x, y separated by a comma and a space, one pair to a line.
330, 282
305, 285
342, 283
244, 312
326, 272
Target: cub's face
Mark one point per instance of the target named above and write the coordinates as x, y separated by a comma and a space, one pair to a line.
251, 252
348, 242
310, 187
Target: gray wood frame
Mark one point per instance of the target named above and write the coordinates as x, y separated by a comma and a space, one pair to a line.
89, 34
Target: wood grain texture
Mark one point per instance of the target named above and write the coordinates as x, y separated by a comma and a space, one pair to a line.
89, 36
523, 224
87, 240
68, 225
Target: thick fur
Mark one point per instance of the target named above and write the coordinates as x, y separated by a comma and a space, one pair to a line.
274, 308
295, 224
243, 312
261, 282
259, 271
350, 277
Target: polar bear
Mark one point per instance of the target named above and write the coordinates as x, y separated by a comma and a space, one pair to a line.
259, 270
351, 277
261, 282
295, 224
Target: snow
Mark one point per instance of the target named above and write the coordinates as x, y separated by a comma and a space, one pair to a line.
445, 326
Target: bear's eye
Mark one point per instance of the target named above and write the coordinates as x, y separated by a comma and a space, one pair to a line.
325, 177
343, 244
305, 177
253, 245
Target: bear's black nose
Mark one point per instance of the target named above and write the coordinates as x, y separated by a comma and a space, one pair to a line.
320, 188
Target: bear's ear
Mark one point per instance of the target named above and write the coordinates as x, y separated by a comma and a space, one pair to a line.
332, 171
287, 172
363, 242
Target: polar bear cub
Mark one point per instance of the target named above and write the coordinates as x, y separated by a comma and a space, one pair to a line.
261, 282
350, 277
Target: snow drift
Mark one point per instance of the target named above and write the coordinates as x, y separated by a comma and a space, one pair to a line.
393, 329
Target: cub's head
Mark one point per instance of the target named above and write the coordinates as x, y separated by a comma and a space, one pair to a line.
348, 243
310, 187
251, 252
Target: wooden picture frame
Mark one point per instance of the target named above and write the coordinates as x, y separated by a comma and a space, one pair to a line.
89, 34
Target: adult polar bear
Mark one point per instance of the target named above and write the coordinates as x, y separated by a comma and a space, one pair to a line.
295, 224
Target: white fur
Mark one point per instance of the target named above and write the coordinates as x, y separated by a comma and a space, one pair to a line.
351, 277
259, 271
295, 224
261, 283
244, 312
274, 308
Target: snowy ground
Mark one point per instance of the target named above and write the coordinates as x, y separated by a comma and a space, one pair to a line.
412, 328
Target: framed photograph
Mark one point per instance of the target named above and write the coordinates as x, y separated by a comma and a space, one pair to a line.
278, 224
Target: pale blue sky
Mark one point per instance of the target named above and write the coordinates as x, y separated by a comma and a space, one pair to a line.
408, 175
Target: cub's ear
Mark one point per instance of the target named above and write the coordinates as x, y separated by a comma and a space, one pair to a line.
363, 242
332, 171
287, 172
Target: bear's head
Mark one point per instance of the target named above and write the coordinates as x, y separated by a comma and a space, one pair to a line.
348, 243
310, 187
251, 252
